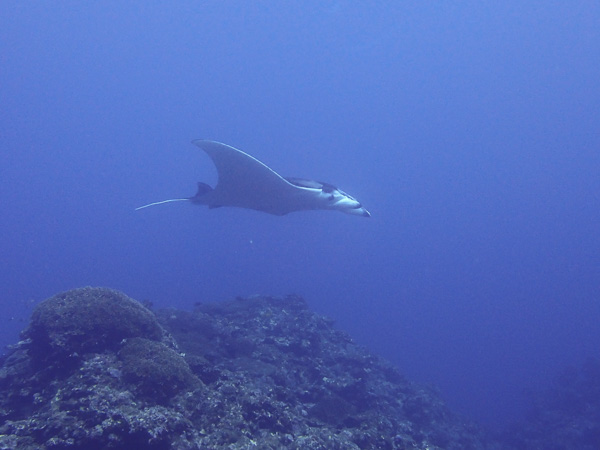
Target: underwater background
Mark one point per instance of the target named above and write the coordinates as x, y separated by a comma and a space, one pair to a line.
470, 132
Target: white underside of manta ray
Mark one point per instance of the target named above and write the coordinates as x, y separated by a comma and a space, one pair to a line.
245, 182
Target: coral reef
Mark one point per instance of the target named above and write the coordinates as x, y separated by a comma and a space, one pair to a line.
98, 370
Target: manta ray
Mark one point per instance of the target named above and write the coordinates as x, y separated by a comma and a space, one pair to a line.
245, 182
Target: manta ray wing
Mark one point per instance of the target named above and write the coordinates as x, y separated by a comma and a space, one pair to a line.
246, 182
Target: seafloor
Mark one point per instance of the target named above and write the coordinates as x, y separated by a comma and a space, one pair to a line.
98, 370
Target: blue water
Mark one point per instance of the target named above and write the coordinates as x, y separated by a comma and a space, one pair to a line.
470, 131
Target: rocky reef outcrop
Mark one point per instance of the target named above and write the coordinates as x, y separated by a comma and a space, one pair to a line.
96, 369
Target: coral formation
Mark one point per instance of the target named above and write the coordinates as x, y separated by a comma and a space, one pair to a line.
260, 372
86, 320
157, 371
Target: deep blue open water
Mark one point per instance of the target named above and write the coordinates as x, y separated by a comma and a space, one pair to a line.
470, 130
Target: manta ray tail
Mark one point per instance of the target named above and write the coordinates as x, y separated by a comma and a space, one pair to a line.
203, 189
164, 201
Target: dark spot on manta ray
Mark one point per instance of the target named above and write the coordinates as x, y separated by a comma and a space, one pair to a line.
245, 182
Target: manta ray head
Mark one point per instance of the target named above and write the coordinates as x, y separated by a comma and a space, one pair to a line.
337, 199
327, 196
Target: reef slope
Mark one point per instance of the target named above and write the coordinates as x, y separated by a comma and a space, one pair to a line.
259, 372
